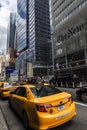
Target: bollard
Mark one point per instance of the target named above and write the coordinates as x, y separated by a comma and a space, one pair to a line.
61, 84
80, 84
67, 85
73, 84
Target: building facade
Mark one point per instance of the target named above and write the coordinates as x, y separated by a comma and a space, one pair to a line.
2, 64
34, 34
11, 38
69, 19
22, 25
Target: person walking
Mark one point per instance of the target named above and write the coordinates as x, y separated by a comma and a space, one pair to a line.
39, 80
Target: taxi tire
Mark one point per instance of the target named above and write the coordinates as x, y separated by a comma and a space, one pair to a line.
84, 97
25, 120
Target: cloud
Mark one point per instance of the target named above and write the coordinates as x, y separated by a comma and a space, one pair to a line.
3, 31
4, 2
4, 17
3, 38
12, 6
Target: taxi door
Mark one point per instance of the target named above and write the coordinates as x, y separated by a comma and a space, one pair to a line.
20, 100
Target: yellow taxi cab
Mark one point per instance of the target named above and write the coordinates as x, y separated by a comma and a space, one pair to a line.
42, 107
1, 83
6, 88
23, 83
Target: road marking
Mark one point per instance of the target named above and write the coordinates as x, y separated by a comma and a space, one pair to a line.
81, 104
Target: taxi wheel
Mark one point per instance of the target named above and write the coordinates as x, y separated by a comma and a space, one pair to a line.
84, 97
25, 120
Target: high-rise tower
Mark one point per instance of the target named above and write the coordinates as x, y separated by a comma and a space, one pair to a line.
34, 34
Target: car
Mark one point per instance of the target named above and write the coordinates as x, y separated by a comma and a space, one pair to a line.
32, 80
5, 90
82, 94
42, 106
1, 83
4, 84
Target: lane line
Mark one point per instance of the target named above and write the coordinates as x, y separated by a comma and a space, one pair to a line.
81, 104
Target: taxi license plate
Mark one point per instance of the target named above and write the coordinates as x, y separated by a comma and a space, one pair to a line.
61, 107
63, 115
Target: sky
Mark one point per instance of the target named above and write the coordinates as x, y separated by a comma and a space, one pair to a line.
6, 6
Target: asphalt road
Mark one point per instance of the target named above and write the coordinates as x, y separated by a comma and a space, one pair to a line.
79, 122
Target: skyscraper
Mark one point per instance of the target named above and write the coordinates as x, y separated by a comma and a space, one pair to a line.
11, 38
69, 20
34, 33
11, 30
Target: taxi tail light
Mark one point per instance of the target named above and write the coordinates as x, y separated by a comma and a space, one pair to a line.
70, 99
42, 107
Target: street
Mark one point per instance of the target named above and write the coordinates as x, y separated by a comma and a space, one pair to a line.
77, 123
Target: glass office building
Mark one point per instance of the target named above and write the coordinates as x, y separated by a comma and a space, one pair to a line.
11, 30
34, 33
22, 25
39, 35
69, 20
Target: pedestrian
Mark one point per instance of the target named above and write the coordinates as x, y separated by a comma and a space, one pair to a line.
39, 80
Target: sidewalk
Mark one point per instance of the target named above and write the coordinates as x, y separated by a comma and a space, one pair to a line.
3, 125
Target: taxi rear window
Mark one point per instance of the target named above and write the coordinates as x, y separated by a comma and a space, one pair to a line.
42, 91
